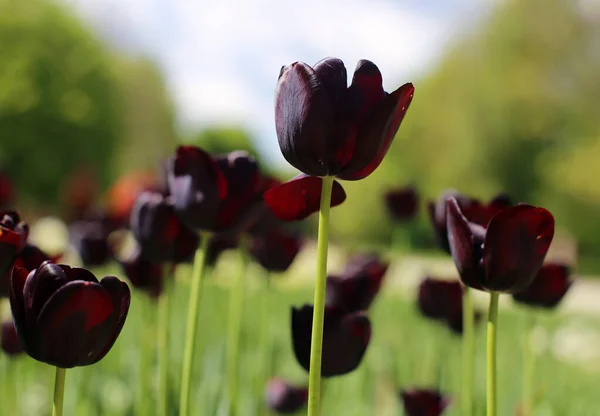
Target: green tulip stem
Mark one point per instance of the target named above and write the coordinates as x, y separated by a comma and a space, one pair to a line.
59, 391
468, 353
316, 346
265, 346
236, 312
146, 348
492, 328
164, 306
528, 367
192, 325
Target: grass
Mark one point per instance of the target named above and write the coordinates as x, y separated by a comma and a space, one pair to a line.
406, 350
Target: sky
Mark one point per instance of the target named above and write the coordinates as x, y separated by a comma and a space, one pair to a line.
221, 58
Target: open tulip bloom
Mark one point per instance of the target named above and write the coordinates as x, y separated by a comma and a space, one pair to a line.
327, 129
502, 256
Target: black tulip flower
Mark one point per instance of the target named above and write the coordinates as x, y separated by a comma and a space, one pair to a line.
161, 235
29, 258
440, 299
10, 340
345, 339
283, 398
90, 240
217, 245
402, 204
217, 194
326, 128
548, 288
143, 274
276, 250
503, 255
422, 402
356, 288
64, 316
13, 236
474, 210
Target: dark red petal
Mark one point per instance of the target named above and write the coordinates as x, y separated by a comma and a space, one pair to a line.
402, 203
75, 324
462, 245
276, 250
515, 246
300, 197
422, 402
304, 119
440, 299
79, 273
121, 298
283, 397
41, 284
377, 133
548, 288
10, 340
17, 306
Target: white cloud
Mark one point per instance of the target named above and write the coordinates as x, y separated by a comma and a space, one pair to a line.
222, 57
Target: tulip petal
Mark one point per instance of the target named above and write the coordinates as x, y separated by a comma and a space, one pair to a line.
462, 245
40, 286
17, 304
402, 204
10, 340
548, 288
276, 250
422, 402
377, 133
75, 324
304, 119
121, 298
300, 197
345, 339
516, 243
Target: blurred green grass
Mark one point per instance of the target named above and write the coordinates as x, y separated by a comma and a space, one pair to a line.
406, 350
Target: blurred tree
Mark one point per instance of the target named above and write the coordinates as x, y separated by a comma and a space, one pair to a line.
225, 139
148, 116
58, 107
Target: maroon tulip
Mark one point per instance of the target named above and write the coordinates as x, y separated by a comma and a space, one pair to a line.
64, 316
402, 204
548, 288
326, 128
13, 235
421, 402
282, 397
30, 258
345, 339
162, 236
472, 209
143, 274
6, 191
90, 239
217, 194
217, 245
440, 299
276, 250
505, 254
358, 285
10, 341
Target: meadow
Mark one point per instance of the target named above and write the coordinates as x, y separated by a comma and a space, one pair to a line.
406, 350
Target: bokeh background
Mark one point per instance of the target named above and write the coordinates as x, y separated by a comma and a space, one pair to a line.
507, 96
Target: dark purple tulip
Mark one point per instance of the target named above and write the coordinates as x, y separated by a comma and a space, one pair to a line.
10, 341
421, 402
6, 191
217, 245
29, 258
402, 204
300, 197
90, 239
505, 254
440, 299
474, 210
276, 250
345, 339
356, 288
13, 235
548, 288
162, 236
326, 128
144, 274
282, 397
64, 316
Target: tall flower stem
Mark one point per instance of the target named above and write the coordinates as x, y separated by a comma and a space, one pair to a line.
468, 359
236, 312
265, 346
164, 306
192, 324
492, 328
316, 346
528, 367
59, 391
146, 349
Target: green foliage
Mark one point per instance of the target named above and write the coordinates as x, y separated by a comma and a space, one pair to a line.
225, 139
57, 98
